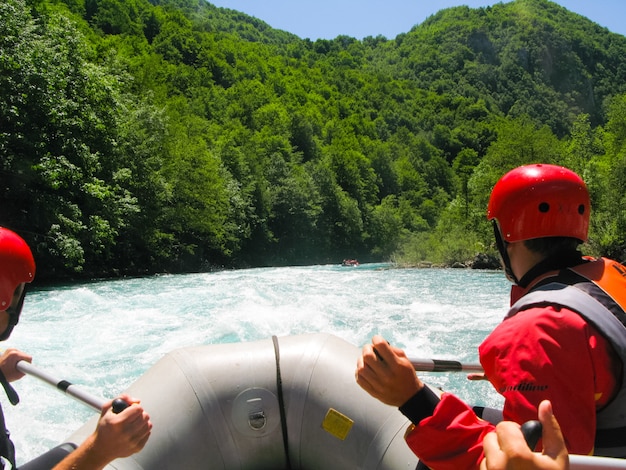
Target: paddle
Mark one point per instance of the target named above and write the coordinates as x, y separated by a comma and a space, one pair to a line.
587, 462
439, 365
532, 433
443, 365
70, 389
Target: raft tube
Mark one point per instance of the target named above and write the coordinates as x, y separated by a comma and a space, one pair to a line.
288, 402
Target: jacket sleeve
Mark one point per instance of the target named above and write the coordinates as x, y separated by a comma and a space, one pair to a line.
551, 353
451, 438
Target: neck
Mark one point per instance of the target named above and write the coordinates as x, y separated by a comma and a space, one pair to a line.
553, 262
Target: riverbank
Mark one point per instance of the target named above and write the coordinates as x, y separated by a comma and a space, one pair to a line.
480, 261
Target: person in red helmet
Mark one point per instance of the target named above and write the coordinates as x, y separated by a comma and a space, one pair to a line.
563, 339
116, 435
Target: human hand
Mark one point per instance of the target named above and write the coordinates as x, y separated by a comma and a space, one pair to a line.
477, 376
117, 435
506, 449
8, 363
386, 373
122, 434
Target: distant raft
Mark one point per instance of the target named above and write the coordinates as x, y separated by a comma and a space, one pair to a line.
288, 402
350, 262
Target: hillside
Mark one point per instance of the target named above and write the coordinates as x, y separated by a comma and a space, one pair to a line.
141, 137
528, 57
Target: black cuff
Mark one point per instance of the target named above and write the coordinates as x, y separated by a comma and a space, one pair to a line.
420, 406
10, 391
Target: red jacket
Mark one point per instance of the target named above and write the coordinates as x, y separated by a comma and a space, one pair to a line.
540, 353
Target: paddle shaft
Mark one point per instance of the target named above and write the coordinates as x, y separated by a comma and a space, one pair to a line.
532, 431
586, 462
442, 365
62, 385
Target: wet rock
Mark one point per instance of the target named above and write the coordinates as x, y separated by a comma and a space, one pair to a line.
485, 261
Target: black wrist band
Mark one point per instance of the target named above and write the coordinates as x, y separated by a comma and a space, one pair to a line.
420, 406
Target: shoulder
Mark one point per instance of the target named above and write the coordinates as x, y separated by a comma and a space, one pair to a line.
551, 323
555, 316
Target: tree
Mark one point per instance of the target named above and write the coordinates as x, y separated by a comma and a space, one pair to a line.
58, 145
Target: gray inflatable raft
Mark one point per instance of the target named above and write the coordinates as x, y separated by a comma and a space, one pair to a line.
287, 402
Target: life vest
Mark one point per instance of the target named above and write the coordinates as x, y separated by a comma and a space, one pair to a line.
7, 450
596, 290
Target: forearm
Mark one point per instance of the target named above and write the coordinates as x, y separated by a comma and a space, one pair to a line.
85, 457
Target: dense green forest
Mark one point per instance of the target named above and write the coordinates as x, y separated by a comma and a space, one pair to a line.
142, 136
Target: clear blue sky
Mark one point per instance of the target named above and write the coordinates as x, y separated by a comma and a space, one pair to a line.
327, 19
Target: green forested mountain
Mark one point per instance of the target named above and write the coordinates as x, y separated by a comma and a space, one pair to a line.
140, 137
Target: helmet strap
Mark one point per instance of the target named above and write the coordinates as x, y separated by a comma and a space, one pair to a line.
504, 256
14, 316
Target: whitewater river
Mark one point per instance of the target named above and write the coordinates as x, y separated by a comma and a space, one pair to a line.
102, 335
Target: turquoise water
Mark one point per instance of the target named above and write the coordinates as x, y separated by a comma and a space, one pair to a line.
101, 336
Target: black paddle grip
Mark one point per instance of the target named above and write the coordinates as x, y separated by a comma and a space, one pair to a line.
119, 405
532, 433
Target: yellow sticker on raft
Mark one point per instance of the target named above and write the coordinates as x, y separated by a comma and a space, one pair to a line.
337, 424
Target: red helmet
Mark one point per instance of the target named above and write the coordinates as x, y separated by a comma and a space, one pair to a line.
16, 265
536, 201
